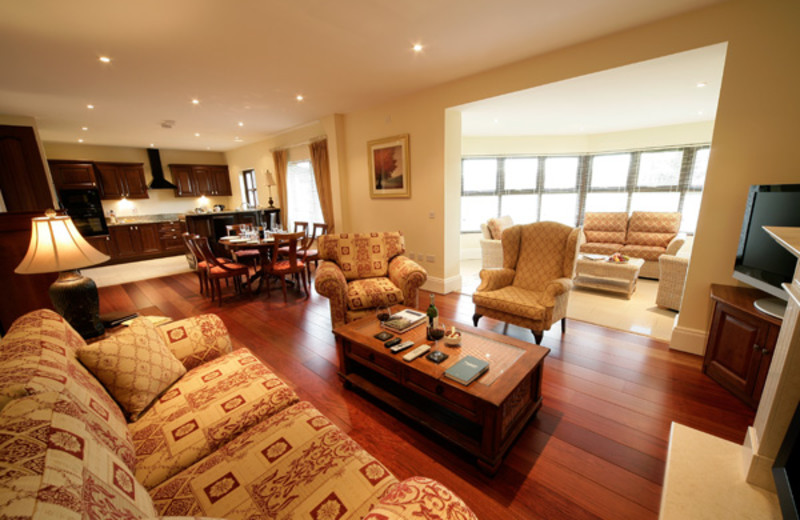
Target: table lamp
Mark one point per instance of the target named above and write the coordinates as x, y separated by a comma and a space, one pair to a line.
57, 246
270, 184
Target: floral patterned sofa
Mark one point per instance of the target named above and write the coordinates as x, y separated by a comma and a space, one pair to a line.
645, 234
359, 272
224, 438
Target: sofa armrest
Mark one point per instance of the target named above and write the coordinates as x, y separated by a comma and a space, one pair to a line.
675, 244
493, 279
420, 497
329, 281
197, 340
408, 276
491, 254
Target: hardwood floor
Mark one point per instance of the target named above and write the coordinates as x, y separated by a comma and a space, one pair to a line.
596, 449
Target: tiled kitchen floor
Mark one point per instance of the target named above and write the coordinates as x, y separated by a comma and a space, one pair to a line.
639, 314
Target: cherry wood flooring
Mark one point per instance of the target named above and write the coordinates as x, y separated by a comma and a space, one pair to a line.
596, 449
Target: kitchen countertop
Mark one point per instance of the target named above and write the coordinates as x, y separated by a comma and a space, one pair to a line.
145, 219
228, 212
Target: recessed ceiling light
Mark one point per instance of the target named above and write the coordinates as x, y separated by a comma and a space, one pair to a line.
80, 140
197, 134
84, 128
417, 47
152, 145
237, 139
104, 59
299, 97
702, 84
90, 107
195, 101
241, 123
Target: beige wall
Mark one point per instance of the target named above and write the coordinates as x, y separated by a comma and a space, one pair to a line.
753, 142
159, 201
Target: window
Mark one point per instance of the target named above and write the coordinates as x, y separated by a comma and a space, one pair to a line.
249, 190
302, 193
563, 189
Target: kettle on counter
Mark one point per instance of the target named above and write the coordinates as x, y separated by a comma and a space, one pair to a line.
219, 207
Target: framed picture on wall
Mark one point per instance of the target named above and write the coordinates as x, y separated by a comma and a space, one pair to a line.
389, 173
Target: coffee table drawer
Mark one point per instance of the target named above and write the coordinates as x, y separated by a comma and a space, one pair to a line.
450, 397
375, 361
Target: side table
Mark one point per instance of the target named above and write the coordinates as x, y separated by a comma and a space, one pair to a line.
608, 276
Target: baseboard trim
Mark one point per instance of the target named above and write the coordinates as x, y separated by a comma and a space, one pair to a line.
443, 285
688, 340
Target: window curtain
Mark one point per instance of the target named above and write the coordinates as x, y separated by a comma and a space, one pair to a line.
322, 177
281, 160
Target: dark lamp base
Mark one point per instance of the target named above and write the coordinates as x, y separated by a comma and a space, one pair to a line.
270, 204
75, 297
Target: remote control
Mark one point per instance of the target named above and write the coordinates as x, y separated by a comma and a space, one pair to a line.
402, 346
392, 342
417, 352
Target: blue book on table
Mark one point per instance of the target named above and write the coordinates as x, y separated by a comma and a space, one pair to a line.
467, 370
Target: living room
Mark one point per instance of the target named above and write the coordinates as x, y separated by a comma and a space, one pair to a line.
752, 144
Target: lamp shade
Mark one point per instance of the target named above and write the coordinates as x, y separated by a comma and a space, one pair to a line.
270, 179
56, 245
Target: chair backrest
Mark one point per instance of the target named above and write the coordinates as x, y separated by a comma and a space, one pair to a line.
301, 227
653, 228
316, 231
204, 251
540, 252
605, 227
290, 241
362, 255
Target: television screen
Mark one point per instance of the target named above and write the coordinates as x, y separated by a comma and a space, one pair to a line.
760, 260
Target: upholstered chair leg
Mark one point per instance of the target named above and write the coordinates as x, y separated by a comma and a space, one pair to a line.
538, 335
475, 318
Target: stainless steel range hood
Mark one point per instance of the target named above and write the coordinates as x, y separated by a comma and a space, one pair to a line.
159, 182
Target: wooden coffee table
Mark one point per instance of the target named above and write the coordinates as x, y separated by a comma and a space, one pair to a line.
483, 418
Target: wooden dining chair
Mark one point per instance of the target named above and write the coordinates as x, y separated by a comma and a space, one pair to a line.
291, 265
312, 255
251, 257
299, 227
216, 270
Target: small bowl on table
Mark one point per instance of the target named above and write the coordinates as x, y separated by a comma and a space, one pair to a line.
452, 338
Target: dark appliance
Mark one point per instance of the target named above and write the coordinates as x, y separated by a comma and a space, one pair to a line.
159, 182
760, 260
86, 210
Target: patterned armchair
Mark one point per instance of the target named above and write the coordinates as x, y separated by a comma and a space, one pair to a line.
362, 271
532, 288
491, 249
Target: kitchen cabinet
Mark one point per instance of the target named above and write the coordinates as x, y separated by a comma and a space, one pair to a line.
194, 180
101, 243
740, 342
122, 180
134, 240
169, 234
72, 175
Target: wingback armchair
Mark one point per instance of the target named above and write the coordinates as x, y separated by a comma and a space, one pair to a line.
532, 288
359, 272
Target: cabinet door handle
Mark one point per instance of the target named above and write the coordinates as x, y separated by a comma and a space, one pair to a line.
764, 351
756, 346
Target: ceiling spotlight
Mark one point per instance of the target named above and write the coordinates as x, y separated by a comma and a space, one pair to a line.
84, 128
90, 107
299, 97
417, 47
197, 134
702, 84
241, 123
104, 59
152, 145
195, 101
237, 139
80, 140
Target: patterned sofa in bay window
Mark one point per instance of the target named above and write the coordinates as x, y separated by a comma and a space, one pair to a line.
182, 425
645, 234
359, 272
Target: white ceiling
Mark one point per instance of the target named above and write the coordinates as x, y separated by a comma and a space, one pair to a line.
658, 92
246, 60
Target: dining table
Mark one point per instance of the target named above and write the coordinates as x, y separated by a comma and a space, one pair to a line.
264, 246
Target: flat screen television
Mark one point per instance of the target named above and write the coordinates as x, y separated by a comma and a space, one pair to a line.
760, 261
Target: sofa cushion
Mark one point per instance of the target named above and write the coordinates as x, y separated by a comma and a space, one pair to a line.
608, 227
296, 464
598, 248
364, 255
498, 225
197, 340
650, 253
512, 300
134, 365
420, 497
652, 228
205, 409
371, 292
55, 465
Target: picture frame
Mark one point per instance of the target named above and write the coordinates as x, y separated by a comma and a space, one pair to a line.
389, 171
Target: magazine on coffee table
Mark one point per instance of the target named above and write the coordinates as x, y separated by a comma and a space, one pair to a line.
405, 320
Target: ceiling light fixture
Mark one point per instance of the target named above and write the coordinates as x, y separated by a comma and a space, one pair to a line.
152, 145
702, 84
80, 140
195, 101
84, 128
197, 134
90, 107
104, 59
241, 123
417, 47
299, 97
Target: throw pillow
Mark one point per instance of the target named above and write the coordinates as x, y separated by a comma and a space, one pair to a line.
134, 365
498, 225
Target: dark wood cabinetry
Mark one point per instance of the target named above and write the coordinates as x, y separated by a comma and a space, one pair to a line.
101, 243
740, 343
169, 234
122, 180
72, 175
23, 181
194, 180
135, 240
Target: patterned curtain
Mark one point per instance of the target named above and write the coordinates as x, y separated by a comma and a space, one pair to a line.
322, 176
281, 160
